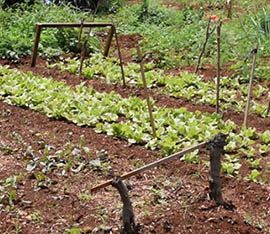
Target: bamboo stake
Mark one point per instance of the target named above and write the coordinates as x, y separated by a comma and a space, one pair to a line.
84, 45
229, 8
80, 32
120, 57
83, 49
150, 109
36, 43
108, 42
254, 53
268, 108
218, 65
151, 165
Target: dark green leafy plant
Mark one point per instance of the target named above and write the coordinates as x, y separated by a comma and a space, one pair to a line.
17, 30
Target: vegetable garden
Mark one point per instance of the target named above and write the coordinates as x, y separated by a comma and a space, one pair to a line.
192, 70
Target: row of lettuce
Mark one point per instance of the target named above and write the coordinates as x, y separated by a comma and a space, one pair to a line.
127, 118
184, 85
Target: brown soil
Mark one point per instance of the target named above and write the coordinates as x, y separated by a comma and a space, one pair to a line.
171, 198
128, 44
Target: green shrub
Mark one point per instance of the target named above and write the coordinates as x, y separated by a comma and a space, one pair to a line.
17, 30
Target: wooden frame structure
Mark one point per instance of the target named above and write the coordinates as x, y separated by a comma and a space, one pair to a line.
40, 26
151, 165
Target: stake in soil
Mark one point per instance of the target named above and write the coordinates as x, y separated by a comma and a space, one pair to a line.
229, 8
268, 108
216, 147
83, 47
120, 57
150, 109
254, 53
218, 65
128, 217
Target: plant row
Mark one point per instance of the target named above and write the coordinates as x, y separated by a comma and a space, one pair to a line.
184, 85
127, 118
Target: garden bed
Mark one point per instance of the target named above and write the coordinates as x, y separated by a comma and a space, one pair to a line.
62, 134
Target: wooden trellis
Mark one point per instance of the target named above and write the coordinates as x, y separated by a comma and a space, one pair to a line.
112, 32
216, 149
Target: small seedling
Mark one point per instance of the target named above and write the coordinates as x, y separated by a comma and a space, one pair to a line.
254, 176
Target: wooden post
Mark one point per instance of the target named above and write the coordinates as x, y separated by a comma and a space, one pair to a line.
254, 53
120, 58
109, 41
268, 108
216, 147
83, 48
218, 65
150, 109
80, 32
128, 217
36, 43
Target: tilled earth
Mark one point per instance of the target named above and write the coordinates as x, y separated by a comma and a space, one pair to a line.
169, 199
172, 198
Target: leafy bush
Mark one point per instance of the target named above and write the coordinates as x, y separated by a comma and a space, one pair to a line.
17, 30
170, 36
152, 15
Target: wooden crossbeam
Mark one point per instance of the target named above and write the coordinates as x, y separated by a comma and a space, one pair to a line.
151, 165
75, 25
